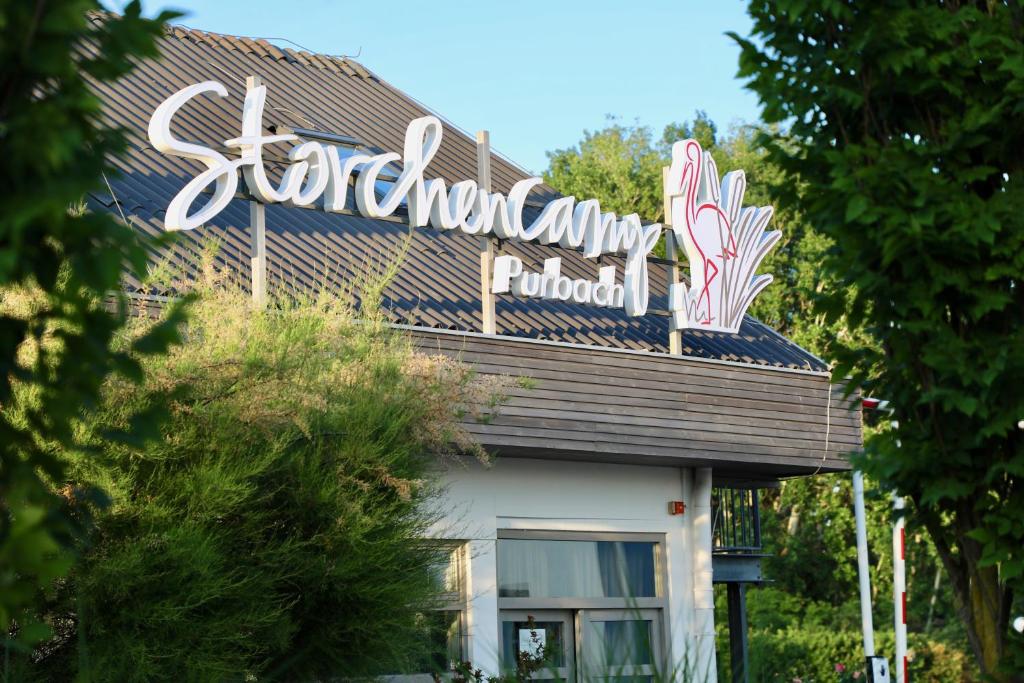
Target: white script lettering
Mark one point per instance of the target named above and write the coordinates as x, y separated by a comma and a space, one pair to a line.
320, 172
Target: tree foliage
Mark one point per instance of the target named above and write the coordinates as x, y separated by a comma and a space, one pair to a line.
57, 265
276, 529
809, 536
618, 165
904, 136
807, 523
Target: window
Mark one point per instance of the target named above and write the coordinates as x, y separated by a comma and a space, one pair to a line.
450, 633
444, 627
597, 600
450, 574
551, 630
621, 644
576, 569
446, 631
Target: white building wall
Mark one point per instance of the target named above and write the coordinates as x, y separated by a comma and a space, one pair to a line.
703, 624
578, 496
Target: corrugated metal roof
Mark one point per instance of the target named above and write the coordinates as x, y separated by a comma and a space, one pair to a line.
438, 285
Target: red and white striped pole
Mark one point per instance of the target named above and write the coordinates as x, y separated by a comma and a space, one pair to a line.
899, 574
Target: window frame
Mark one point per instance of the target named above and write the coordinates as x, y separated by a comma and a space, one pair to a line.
660, 572
569, 626
585, 610
657, 645
457, 600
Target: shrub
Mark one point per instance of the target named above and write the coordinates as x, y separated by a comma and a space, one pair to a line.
275, 530
798, 638
811, 655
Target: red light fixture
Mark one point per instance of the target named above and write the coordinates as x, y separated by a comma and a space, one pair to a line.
874, 404
676, 507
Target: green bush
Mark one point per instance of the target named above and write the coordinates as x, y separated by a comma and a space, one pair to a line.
275, 530
811, 655
794, 637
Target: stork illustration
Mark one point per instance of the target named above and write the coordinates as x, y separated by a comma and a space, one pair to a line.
724, 242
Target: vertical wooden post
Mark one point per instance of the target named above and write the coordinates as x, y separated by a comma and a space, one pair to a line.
483, 165
258, 251
675, 337
257, 233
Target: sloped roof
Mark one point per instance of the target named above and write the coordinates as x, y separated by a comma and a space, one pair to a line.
438, 284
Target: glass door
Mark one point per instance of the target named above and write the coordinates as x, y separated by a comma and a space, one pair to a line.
620, 645
540, 643
597, 602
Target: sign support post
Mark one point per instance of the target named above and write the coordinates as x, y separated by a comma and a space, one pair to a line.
675, 337
257, 233
483, 166
899, 574
739, 651
864, 578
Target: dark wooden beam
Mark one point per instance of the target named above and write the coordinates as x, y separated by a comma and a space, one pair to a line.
739, 657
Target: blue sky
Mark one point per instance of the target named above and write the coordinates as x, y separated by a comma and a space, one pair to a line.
536, 73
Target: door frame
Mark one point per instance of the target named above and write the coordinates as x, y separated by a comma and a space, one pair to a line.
655, 607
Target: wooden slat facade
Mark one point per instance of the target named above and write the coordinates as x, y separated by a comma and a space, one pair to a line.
612, 405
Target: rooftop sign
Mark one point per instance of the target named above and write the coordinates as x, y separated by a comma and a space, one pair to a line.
723, 241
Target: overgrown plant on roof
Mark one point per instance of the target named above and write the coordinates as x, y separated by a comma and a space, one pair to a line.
276, 528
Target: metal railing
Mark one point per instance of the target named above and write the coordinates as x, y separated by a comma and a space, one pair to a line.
736, 526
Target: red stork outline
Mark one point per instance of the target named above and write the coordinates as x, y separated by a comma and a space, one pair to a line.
694, 213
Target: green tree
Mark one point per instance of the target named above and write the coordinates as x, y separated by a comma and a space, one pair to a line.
904, 136
702, 129
618, 165
58, 264
809, 537
807, 524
